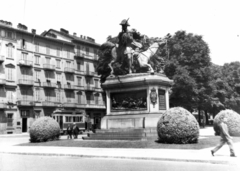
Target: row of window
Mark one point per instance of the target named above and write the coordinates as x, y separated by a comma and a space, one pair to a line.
27, 75
73, 118
49, 51
94, 100
58, 52
80, 49
50, 95
80, 65
10, 55
48, 61
7, 34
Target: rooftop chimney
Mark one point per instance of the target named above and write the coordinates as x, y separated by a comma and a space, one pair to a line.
64, 31
75, 34
33, 31
6, 23
22, 27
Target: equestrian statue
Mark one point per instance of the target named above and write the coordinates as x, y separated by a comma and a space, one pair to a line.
129, 52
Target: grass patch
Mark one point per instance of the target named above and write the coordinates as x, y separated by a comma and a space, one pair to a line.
151, 143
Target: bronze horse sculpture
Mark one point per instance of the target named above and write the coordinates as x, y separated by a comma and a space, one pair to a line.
110, 51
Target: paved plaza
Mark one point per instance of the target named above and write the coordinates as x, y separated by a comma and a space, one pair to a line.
8, 146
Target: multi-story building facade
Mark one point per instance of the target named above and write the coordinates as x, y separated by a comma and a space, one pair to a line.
42, 73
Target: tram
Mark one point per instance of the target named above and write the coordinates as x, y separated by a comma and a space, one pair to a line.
65, 118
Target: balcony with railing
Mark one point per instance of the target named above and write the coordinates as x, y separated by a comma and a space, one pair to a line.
97, 104
90, 102
25, 63
89, 88
25, 102
98, 89
50, 103
49, 67
2, 81
69, 70
78, 87
3, 105
93, 104
48, 85
69, 103
79, 54
27, 82
90, 73
2, 58
69, 87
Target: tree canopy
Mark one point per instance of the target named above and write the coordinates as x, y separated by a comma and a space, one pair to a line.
226, 80
188, 64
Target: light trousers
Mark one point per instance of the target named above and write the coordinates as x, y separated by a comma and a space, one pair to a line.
222, 142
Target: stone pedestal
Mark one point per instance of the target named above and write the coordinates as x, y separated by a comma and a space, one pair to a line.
135, 100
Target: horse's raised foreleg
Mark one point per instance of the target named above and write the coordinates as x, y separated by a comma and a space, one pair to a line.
150, 68
143, 63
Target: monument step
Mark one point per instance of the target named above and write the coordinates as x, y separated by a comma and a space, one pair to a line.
120, 133
119, 130
115, 138
150, 130
117, 135
151, 134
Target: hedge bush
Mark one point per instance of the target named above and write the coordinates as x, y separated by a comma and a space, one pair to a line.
233, 122
178, 126
44, 129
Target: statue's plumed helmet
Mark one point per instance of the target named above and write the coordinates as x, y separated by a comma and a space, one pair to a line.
124, 22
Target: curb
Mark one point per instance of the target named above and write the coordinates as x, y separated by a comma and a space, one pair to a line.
124, 157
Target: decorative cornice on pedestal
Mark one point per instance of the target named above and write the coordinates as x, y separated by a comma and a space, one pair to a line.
136, 80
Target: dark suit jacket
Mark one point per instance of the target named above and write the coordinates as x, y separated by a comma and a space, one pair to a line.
69, 130
75, 129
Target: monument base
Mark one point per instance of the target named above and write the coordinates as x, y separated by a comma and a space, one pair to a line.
135, 103
130, 121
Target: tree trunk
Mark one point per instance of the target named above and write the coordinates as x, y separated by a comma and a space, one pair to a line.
206, 116
199, 116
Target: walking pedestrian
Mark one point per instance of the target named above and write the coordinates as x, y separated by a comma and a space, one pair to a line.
69, 132
75, 131
225, 138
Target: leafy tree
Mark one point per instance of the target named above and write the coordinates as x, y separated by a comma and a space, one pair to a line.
226, 83
230, 86
188, 64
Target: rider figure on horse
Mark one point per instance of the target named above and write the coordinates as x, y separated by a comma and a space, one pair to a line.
127, 44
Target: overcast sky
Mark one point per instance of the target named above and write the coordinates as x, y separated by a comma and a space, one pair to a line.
218, 21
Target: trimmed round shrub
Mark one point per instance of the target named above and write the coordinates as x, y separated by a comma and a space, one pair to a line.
178, 126
233, 122
44, 129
